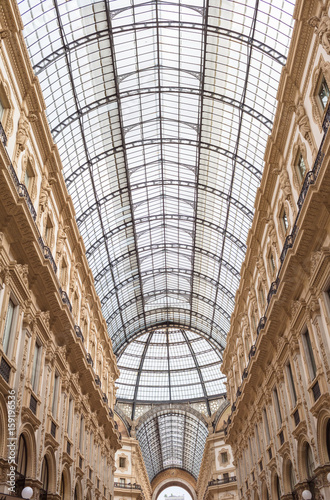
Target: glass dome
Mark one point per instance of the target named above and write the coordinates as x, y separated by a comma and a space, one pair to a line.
169, 364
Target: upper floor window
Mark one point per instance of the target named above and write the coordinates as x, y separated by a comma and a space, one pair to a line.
63, 272
291, 384
271, 262
81, 436
69, 424
2, 110
122, 481
55, 395
29, 177
277, 407
9, 327
309, 355
224, 457
323, 93
48, 232
122, 462
285, 221
36, 367
300, 167
262, 296
266, 425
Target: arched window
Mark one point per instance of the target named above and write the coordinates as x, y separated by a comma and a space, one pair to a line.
21, 461
44, 479
309, 461
277, 487
328, 438
292, 476
76, 494
62, 490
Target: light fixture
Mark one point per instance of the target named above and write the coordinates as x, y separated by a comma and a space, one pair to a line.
306, 494
328, 477
27, 492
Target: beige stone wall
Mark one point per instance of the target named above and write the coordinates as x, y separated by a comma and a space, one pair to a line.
217, 476
55, 352
131, 478
277, 354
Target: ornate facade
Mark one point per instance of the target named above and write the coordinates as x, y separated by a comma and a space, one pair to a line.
57, 367
277, 354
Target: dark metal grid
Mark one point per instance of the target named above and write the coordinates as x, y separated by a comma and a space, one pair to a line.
98, 141
170, 439
172, 360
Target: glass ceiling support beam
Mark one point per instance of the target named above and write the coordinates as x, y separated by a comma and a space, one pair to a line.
200, 124
160, 247
139, 373
98, 35
203, 187
198, 370
171, 291
168, 365
171, 270
173, 324
161, 140
177, 141
163, 90
86, 152
252, 32
110, 30
170, 217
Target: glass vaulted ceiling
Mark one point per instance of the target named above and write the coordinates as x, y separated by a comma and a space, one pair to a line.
169, 365
161, 112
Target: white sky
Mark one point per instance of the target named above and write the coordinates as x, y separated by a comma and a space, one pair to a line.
174, 490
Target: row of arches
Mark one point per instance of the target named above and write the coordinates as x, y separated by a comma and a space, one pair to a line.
47, 475
289, 479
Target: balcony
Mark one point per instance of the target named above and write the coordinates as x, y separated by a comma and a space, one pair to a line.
223, 480
129, 486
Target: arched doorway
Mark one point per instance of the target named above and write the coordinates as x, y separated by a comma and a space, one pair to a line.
44, 479
328, 438
174, 492
21, 461
175, 482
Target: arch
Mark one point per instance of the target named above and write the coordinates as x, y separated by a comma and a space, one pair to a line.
289, 477
323, 435
3, 427
255, 494
51, 463
88, 495
174, 482
305, 459
29, 436
65, 488
276, 486
78, 493
162, 408
264, 491
220, 411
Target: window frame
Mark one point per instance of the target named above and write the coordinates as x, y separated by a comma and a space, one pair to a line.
8, 349
36, 365
55, 397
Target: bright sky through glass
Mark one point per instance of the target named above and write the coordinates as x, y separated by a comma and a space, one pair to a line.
161, 112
